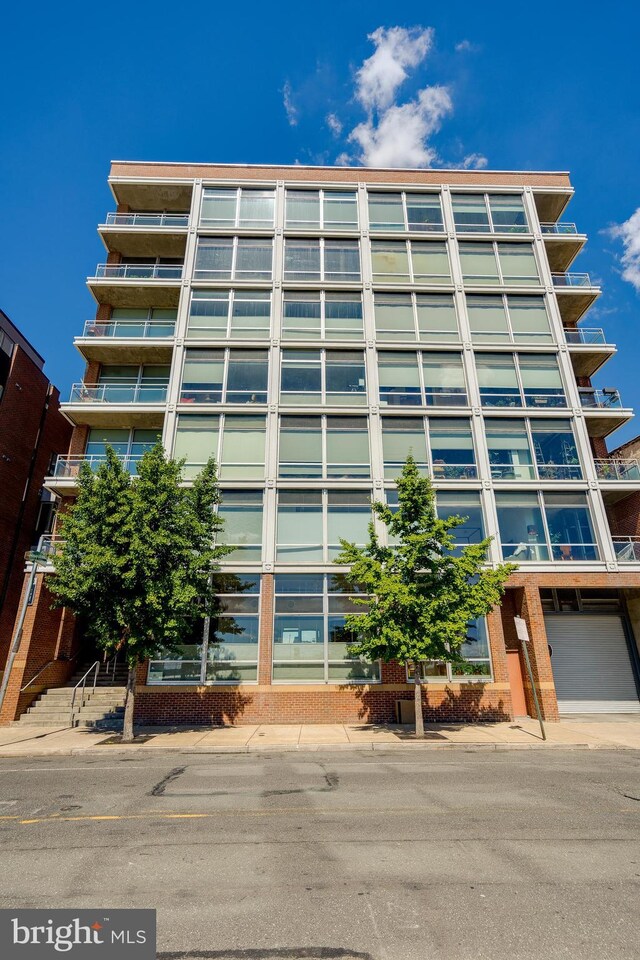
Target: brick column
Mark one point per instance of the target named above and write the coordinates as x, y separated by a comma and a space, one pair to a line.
49, 641
265, 641
530, 609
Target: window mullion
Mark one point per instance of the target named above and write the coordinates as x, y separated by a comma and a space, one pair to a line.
234, 257
410, 259
325, 617
516, 365
405, 212
236, 221
423, 392
543, 511
414, 307
225, 374
323, 444
529, 432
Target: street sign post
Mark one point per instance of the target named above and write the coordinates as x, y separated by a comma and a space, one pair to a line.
523, 636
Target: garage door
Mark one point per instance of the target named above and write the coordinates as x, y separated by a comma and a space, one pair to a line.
591, 664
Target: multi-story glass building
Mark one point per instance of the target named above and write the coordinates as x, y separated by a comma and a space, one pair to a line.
309, 326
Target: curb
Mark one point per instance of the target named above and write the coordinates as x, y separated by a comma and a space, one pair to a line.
310, 748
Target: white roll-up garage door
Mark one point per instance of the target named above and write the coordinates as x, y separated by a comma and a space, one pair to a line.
591, 664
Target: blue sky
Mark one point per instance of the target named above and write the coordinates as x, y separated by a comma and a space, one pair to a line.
555, 87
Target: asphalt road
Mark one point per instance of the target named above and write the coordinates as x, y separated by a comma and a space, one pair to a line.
402, 855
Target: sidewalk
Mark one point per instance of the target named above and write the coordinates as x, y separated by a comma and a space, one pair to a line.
609, 732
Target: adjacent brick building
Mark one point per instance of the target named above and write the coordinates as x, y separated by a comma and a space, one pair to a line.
33, 433
309, 326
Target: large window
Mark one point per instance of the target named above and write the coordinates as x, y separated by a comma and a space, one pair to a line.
410, 316
234, 314
460, 503
425, 379
242, 512
511, 264
508, 318
127, 383
448, 455
419, 212
224, 376
511, 442
324, 448
410, 261
321, 315
482, 213
322, 260
223, 649
312, 522
540, 527
237, 207
310, 639
233, 258
136, 322
236, 441
311, 377
129, 445
477, 659
516, 380
322, 209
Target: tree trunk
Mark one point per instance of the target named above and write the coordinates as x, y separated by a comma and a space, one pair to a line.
417, 689
129, 703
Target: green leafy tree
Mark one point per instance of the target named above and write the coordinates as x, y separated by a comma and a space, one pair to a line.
138, 556
421, 595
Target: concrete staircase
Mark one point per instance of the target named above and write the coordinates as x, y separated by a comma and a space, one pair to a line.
102, 708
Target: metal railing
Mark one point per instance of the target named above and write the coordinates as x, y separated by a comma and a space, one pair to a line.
69, 466
617, 469
129, 328
49, 545
42, 670
602, 399
627, 549
123, 392
147, 219
584, 335
572, 280
82, 683
139, 271
483, 226
561, 229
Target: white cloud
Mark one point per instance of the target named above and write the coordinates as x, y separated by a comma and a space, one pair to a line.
399, 137
379, 77
334, 124
474, 161
465, 46
289, 107
629, 233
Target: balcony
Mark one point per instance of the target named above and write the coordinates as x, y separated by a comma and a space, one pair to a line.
615, 469
122, 404
137, 284
575, 293
145, 234
589, 349
627, 549
551, 202
67, 469
127, 341
603, 410
563, 243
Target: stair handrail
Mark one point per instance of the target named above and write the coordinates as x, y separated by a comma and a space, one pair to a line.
42, 669
95, 667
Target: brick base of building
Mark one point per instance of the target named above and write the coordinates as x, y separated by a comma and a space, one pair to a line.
247, 704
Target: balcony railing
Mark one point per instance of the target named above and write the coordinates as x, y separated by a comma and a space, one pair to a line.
560, 229
139, 271
615, 469
627, 549
599, 398
142, 329
148, 219
121, 392
68, 467
585, 335
572, 280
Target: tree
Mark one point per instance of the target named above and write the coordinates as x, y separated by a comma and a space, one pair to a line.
421, 593
137, 558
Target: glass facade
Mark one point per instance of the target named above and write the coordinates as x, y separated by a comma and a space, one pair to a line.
321, 334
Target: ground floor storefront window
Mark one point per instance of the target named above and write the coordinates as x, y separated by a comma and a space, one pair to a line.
223, 649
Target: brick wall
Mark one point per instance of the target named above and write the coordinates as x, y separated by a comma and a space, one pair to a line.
29, 435
48, 635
